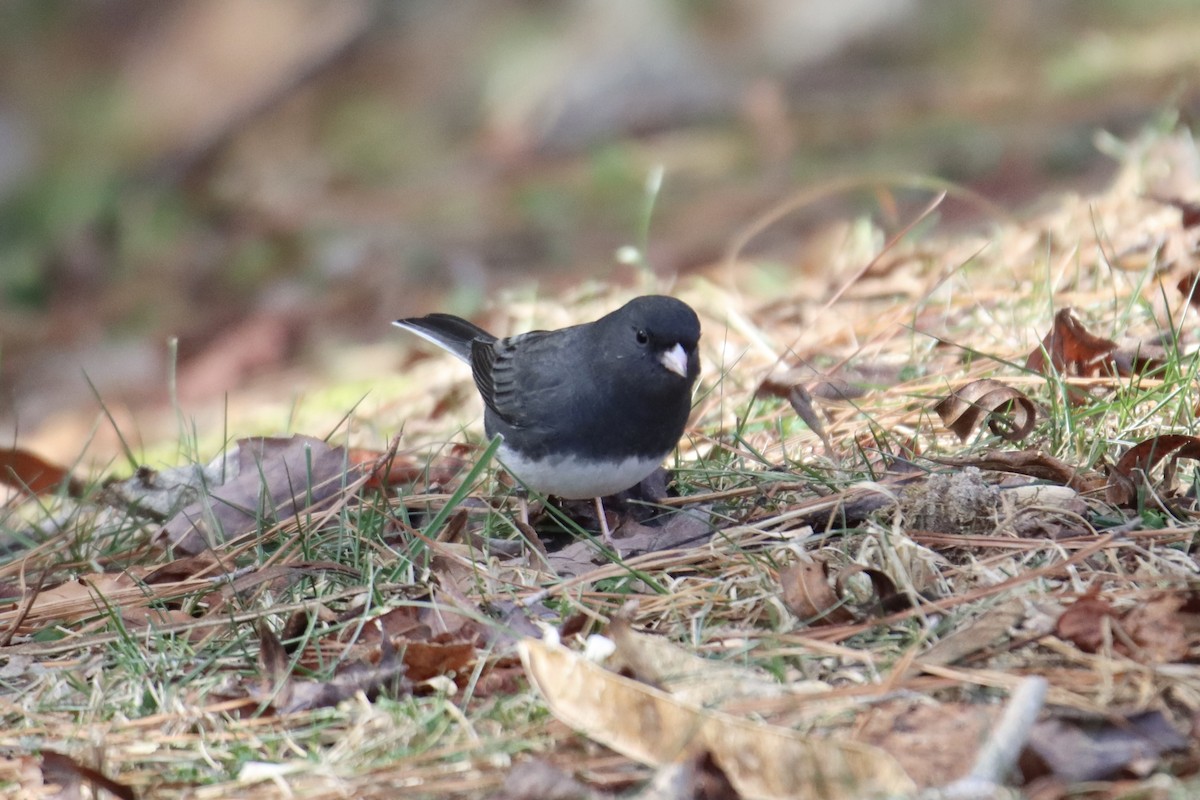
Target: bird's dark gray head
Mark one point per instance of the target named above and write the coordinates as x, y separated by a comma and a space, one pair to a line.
656, 330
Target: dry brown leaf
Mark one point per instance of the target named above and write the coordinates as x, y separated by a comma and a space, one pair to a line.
1157, 629
81, 598
801, 402
1153, 631
655, 728
388, 469
682, 528
1189, 287
276, 478
70, 776
808, 594
704, 682
287, 694
1137, 462
425, 660
23, 470
986, 630
1033, 463
1095, 750
1071, 348
1189, 211
538, 779
402, 621
934, 742
1082, 623
1009, 413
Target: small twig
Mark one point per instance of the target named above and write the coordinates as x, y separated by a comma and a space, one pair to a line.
999, 753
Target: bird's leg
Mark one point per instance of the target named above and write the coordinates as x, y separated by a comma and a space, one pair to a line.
523, 507
605, 533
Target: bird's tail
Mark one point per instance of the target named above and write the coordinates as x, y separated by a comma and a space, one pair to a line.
452, 334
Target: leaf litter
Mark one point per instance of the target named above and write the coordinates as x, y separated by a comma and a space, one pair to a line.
976, 570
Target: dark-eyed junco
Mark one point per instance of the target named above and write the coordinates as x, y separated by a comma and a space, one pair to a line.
585, 411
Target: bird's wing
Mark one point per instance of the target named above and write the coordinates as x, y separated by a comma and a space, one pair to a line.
483, 356
510, 373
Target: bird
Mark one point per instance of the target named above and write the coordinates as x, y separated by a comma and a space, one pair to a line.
585, 411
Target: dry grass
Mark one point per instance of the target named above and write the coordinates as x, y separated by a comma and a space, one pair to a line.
155, 705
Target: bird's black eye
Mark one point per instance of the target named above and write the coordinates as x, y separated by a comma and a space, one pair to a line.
642, 337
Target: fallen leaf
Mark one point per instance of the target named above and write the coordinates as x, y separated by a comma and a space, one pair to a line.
983, 632
1157, 629
1189, 211
276, 478
1133, 468
680, 528
1095, 750
538, 779
287, 694
704, 682
808, 594
23, 470
403, 621
1009, 413
1033, 463
388, 468
1082, 623
69, 775
934, 742
1189, 288
655, 728
801, 402
81, 598
1071, 348
425, 660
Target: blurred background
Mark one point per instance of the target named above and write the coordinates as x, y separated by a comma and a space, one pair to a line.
272, 182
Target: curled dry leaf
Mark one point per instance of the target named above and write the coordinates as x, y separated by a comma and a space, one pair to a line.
1009, 413
70, 776
885, 597
1139, 460
808, 594
653, 727
1189, 287
1069, 349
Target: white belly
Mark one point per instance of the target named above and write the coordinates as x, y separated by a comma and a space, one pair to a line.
566, 477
